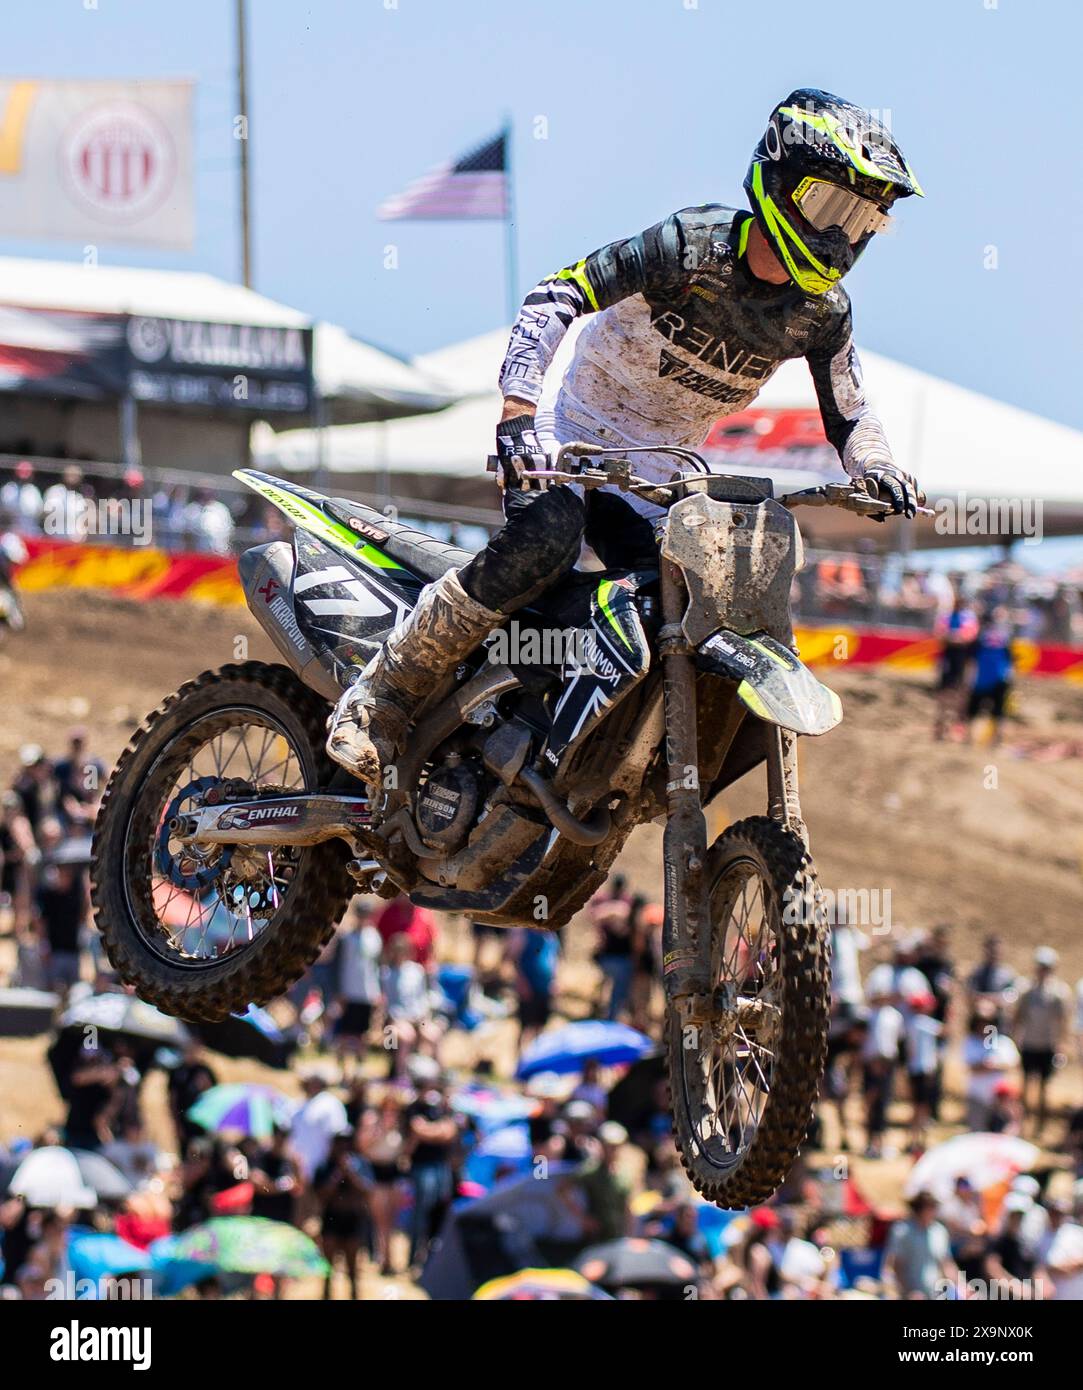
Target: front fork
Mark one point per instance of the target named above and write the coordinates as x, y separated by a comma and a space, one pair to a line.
783, 801
686, 934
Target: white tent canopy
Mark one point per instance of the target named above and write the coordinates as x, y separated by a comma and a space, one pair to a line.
358, 382
952, 439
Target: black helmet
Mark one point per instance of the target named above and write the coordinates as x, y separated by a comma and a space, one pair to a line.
821, 181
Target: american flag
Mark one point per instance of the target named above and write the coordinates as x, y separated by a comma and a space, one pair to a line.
476, 186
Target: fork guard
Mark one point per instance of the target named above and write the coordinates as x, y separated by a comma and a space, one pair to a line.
771, 682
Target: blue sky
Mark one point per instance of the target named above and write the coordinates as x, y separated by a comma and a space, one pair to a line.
650, 105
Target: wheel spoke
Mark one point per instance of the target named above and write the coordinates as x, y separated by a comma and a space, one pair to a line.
222, 899
729, 1074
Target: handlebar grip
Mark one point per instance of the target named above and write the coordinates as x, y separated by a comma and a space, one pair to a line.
874, 491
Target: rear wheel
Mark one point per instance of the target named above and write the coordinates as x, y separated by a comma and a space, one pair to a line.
204, 933
743, 1086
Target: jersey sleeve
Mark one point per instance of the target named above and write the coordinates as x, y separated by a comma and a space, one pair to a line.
656, 259
849, 423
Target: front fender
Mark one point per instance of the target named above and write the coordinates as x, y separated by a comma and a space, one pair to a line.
771, 681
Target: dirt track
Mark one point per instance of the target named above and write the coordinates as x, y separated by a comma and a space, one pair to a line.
980, 838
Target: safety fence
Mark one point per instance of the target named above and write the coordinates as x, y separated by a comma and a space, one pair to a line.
146, 572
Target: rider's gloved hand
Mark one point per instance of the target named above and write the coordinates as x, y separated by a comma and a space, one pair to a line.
519, 452
889, 483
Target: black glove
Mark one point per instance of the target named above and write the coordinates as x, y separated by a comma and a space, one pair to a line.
890, 484
519, 452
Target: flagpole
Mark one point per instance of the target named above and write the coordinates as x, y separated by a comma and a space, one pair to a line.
242, 103
511, 250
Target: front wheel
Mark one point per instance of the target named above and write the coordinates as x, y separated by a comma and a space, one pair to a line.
744, 1085
204, 933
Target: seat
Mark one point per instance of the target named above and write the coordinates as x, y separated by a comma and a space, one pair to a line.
417, 550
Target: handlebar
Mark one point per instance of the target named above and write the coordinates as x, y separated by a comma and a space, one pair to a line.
612, 468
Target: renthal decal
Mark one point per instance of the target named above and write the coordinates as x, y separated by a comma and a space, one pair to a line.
287, 621
239, 817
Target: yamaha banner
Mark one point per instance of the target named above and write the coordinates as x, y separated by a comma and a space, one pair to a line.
184, 363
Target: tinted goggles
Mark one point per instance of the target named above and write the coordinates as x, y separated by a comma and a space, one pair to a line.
826, 205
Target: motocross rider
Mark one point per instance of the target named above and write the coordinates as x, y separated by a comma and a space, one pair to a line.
687, 322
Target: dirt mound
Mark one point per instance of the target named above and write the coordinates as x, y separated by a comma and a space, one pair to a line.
984, 839
103, 662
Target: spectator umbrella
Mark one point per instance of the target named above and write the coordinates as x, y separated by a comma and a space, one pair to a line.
567, 1049
242, 1108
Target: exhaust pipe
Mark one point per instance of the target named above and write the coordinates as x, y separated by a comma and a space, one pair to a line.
591, 831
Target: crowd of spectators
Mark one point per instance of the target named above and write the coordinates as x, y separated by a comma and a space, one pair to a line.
406, 1019
862, 586
858, 586
63, 503
46, 818
1003, 1034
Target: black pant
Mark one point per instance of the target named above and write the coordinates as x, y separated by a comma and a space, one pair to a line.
540, 539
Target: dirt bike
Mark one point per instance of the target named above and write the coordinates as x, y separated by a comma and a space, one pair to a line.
228, 844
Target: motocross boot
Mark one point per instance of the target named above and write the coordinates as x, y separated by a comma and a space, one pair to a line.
371, 719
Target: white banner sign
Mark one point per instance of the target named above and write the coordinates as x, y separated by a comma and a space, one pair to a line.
97, 162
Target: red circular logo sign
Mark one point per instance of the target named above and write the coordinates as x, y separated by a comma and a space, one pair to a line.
118, 161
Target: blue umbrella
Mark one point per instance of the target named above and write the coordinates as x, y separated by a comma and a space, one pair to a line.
172, 1273
712, 1223
96, 1256
567, 1049
513, 1141
504, 1151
